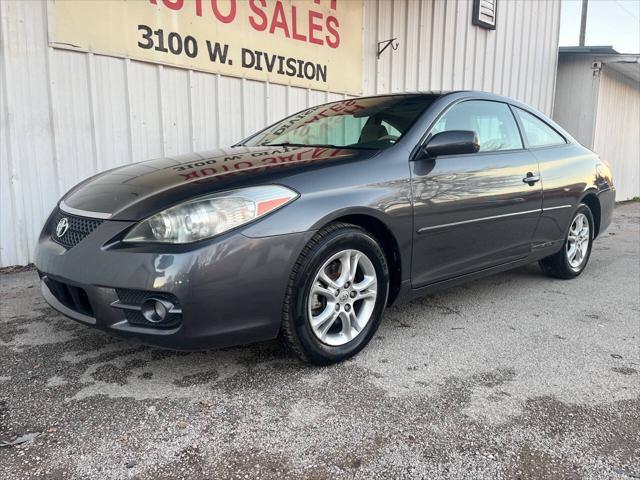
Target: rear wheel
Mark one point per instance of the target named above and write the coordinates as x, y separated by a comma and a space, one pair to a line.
336, 296
572, 259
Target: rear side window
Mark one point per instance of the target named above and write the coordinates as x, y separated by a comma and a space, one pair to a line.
538, 133
492, 121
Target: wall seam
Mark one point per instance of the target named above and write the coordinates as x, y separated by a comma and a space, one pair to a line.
192, 129
127, 85
92, 111
163, 147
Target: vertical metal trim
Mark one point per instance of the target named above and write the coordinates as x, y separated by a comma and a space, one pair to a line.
91, 85
127, 84
556, 38
267, 101
406, 48
377, 37
217, 112
49, 80
418, 44
444, 39
287, 99
431, 38
159, 75
389, 87
192, 120
243, 92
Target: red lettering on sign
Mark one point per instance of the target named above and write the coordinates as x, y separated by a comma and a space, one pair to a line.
332, 5
279, 20
272, 16
294, 26
314, 27
333, 39
230, 17
262, 25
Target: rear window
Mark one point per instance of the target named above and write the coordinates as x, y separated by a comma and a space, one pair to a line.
538, 133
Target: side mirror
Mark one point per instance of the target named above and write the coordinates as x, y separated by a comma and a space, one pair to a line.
452, 142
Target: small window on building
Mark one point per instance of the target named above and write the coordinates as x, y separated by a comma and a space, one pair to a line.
492, 121
538, 133
484, 13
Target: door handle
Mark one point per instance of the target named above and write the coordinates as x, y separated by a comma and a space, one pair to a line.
531, 179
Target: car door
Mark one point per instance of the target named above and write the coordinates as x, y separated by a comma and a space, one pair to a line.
474, 211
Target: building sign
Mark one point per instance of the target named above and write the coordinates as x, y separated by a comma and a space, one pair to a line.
305, 43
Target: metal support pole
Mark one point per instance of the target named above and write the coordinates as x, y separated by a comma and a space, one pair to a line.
583, 22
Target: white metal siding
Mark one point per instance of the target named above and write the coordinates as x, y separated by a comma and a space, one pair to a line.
617, 133
66, 115
440, 49
576, 97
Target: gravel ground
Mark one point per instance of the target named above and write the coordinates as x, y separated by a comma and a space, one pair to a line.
513, 376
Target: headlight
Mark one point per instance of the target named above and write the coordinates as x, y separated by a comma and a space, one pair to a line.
205, 217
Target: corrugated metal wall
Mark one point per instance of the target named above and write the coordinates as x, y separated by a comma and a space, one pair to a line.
576, 97
617, 131
441, 50
67, 115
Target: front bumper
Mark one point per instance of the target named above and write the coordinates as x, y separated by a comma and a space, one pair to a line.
230, 290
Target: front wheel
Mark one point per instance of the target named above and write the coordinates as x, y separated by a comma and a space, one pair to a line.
572, 259
336, 295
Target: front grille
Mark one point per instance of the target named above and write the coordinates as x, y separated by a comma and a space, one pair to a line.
136, 297
74, 298
79, 228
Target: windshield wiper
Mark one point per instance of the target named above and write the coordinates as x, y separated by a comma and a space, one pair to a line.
284, 144
319, 145
343, 147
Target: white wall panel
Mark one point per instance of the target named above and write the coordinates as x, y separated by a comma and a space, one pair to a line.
176, 110
66, 115
205, 111
577, 97
145, 112
617, 131
111, 119
72, 113
33, 179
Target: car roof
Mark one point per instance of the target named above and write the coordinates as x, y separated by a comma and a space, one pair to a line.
460, 93
479, 94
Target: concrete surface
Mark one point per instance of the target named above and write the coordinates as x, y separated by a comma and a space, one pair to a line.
513, 376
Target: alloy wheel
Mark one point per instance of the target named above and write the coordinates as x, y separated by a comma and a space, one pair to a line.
578, 241
342, 297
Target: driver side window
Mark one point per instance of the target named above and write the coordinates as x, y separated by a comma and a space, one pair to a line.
492, 121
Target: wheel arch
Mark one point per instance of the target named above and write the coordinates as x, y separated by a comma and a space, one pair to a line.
591, 200
388, 241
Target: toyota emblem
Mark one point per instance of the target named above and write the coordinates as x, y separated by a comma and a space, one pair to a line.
62, 227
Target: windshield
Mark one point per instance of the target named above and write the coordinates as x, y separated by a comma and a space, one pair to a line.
367, 123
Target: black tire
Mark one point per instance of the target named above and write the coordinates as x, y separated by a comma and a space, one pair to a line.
296, 331
558, 265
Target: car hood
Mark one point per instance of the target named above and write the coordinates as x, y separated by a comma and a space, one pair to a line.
135, 191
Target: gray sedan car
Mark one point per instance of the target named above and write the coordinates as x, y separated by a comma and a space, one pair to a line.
308, 229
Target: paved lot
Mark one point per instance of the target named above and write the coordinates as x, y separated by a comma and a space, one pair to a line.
513, 376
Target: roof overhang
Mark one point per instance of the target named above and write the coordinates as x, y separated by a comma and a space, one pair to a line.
628, 65
625, 64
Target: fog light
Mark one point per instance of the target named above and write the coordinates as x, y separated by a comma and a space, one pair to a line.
155, 310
